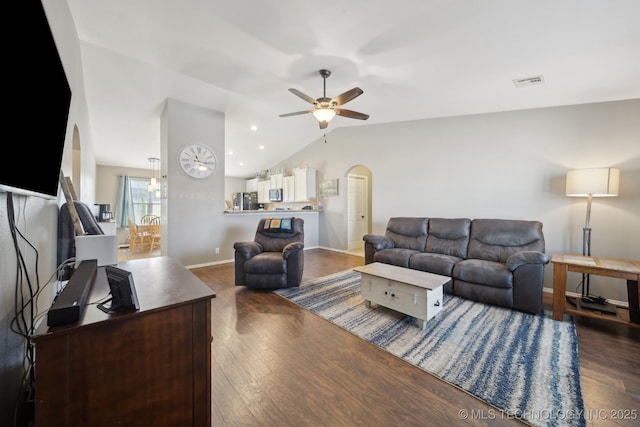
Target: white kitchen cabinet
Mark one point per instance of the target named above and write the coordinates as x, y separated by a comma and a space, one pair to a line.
251, 185
263, 191
289, 188
276, 180
305, 184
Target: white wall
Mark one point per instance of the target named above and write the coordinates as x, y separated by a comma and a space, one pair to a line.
499, 165
37, 218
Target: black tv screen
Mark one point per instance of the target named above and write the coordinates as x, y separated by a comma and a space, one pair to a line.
38, 106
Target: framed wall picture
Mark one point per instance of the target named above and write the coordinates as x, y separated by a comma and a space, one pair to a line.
329, 187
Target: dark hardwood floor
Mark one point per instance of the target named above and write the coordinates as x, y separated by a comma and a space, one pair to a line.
275, 364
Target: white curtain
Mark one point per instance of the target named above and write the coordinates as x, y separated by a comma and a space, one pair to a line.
124, 203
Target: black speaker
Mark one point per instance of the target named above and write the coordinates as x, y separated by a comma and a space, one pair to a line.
70, 303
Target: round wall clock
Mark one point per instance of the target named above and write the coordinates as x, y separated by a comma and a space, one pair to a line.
197, 161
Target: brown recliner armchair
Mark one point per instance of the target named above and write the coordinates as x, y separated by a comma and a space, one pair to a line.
275, 259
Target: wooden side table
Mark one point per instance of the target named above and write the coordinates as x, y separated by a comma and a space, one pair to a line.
628, 270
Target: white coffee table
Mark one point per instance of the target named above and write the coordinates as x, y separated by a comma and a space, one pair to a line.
412, 292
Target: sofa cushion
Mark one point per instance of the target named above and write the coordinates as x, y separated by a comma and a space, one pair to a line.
395, 256
496, 239
449, 236
433, 263
483, 272
266, 263
408, 233
486, 294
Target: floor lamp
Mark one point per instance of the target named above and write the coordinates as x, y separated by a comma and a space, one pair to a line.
589, 183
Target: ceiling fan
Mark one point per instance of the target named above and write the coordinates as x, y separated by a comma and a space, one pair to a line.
326, 108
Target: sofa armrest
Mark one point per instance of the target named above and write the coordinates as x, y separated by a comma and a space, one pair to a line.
247, 249
378, 242
526, 257
291, 248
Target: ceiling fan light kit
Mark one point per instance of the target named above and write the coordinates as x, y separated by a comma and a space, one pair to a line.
324, 114
325, 108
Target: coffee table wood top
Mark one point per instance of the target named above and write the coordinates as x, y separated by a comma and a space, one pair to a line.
417, 278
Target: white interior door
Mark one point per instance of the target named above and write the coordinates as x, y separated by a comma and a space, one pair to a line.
357, 221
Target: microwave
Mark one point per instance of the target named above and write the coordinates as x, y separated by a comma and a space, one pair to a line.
275, 195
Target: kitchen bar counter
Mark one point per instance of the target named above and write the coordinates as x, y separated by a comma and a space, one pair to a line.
272, 211
241, 225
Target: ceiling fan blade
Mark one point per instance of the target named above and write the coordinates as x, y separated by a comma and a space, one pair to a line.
347, 96
351, 114
296, 113
323, 125
307, 98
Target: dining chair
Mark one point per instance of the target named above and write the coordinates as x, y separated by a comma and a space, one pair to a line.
150, 220
150, 226
136, 238
153, 236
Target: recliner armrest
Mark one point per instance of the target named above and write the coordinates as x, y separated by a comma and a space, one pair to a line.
291, 248
248, 249
378, 242
526, 257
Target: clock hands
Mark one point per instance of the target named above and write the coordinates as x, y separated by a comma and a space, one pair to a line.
200, 164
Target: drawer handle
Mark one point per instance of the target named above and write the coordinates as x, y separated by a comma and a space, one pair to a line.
391, 294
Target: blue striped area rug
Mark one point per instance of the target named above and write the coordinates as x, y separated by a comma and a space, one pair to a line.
524, 365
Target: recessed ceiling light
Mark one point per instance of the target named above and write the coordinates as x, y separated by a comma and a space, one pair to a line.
230, 152
241, 163
254, 128
261, 147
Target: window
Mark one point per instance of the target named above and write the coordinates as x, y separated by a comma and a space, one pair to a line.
145, 202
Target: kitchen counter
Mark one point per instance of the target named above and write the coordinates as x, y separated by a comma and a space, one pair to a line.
271, 211
243, 223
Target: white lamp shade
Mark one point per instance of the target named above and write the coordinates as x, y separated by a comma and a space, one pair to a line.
324, 114
601, 182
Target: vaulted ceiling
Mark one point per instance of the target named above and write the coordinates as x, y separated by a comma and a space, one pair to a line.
414, 59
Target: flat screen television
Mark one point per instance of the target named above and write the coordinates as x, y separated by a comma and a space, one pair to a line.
38, 105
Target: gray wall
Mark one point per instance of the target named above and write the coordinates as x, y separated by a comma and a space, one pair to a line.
193, 214
499, 165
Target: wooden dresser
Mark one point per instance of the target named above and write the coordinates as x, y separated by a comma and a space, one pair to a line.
150, 367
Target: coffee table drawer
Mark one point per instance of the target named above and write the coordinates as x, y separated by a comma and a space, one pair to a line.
420, 303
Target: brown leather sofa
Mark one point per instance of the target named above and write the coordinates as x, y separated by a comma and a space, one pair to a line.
275, 259
495, 261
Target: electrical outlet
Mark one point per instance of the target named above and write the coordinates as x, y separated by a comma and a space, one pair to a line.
217, 250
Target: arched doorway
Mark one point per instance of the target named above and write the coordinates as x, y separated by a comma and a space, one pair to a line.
358, 210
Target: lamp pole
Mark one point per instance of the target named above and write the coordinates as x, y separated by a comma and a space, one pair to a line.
586, 245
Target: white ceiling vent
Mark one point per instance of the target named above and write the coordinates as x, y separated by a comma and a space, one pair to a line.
528, 81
